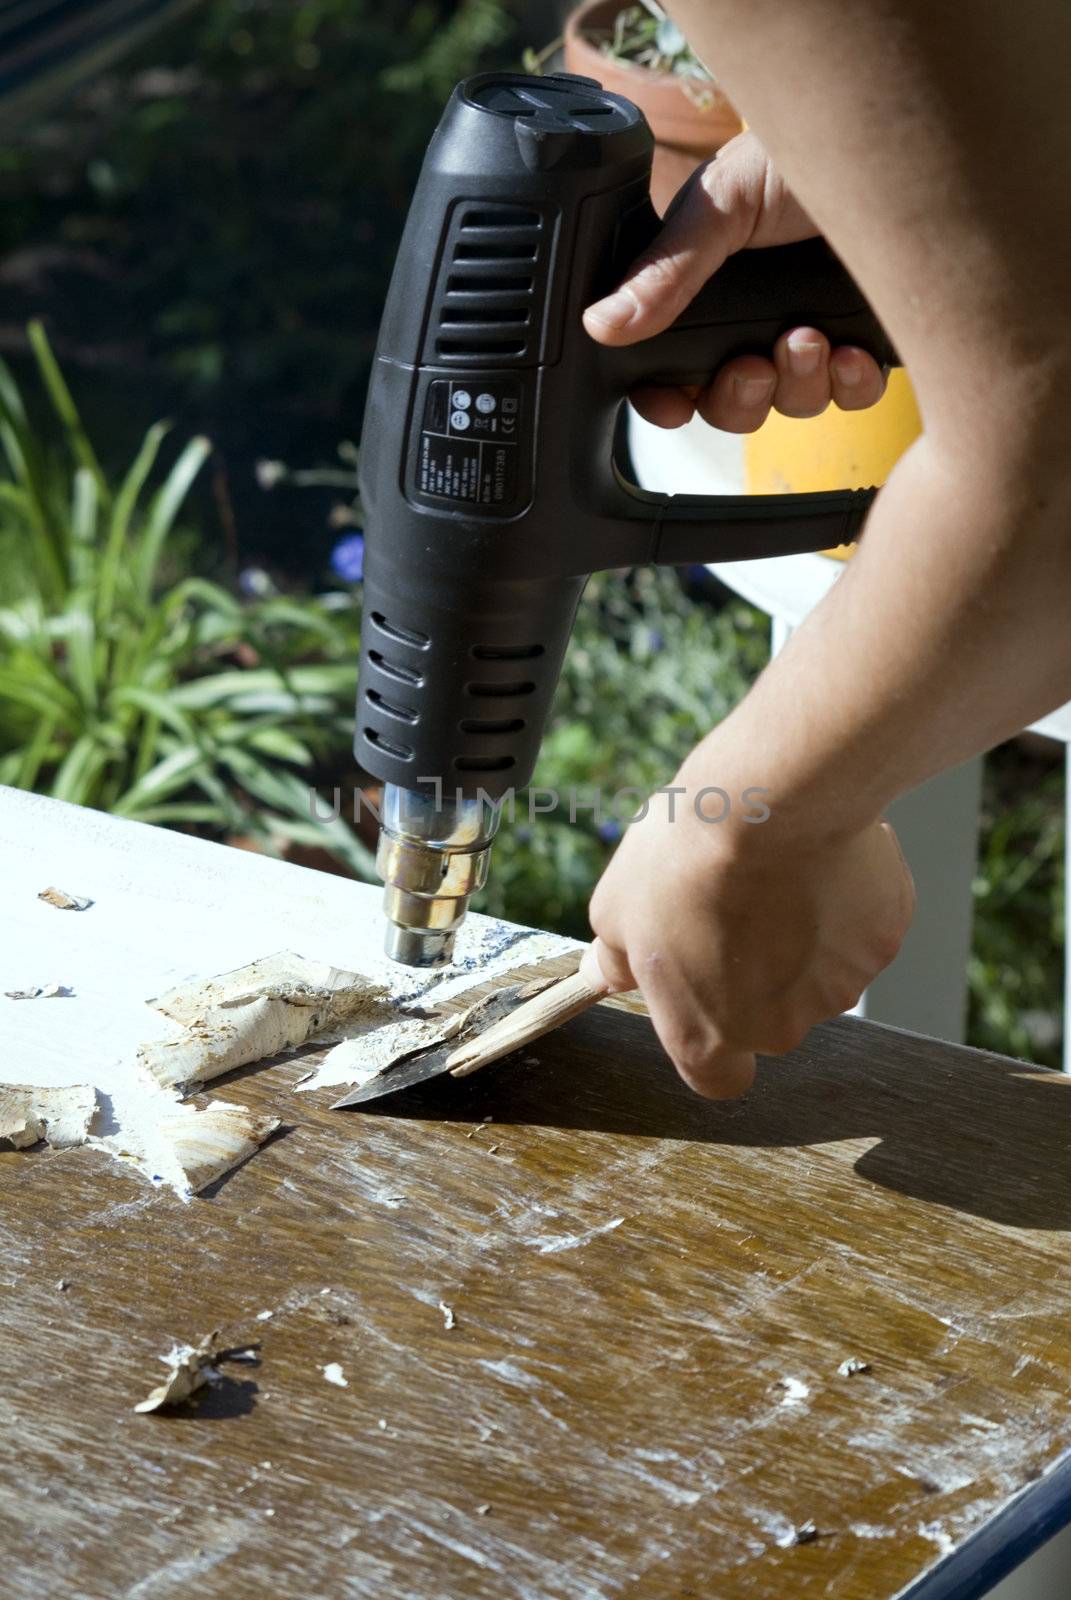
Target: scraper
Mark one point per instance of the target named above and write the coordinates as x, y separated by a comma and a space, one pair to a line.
496, 1026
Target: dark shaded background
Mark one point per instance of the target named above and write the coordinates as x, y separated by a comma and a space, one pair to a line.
208, 226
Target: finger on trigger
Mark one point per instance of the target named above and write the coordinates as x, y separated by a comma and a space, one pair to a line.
856, 379
801, 358
739, 397
666, 408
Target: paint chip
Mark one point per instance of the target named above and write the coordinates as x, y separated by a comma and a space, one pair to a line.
62, 1117
200, 1145
806, 1533
64, 901
481, 1511
851, 1366
334, 1374
190, 1367
257, 1011
449, 1320
47, 991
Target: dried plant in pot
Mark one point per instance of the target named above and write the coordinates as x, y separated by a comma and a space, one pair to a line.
637, 51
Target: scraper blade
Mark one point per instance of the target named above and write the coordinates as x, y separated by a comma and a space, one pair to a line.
495, 1026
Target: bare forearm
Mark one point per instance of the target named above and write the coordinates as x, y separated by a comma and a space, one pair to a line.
933, 150
949, 631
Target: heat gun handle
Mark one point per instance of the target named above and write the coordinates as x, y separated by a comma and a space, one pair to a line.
743, 309
754, 297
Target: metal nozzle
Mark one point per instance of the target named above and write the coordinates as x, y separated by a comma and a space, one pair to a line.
433, 855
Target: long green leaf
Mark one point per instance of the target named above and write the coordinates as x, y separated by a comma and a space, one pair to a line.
234, 687
166, 504
77, 630
115, 552
276, 742
41, 692
160, 706
64, 406
167, 777
184, 811
80, 770
34, 755
47, 545
290, 795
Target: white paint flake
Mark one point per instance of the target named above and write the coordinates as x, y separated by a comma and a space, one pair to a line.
793, 1392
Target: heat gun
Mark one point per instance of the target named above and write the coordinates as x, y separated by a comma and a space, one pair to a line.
490, 480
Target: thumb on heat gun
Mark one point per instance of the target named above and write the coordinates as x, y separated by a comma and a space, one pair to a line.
734, 201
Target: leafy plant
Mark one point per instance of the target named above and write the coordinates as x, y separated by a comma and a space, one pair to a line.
644, 35
1015, 967
161, 701
209, 226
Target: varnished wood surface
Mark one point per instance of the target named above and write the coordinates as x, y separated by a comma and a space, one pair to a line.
652, 1297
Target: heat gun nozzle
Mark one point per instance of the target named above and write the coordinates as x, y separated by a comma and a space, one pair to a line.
433, 855
418, 947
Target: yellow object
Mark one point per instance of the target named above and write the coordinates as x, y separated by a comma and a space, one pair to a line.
838, 450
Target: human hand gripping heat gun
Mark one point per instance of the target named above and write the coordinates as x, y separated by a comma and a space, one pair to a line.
488, 472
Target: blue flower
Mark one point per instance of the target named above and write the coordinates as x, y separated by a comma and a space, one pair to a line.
347, 558
610, 831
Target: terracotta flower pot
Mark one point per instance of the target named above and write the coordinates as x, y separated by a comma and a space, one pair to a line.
689, 123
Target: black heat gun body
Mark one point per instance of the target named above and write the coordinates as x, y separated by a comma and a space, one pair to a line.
488, 471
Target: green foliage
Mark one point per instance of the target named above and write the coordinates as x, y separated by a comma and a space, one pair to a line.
124, 693
209, 228
646, 36
1016, 966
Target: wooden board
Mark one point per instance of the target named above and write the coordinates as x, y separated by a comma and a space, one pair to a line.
652, 1297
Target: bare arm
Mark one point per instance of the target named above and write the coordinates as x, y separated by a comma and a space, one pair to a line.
934, 150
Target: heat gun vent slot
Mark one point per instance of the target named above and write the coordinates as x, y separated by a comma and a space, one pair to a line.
484, 763
470, 283
501, 691
390, 707
486, 347
491, 724
507, 652
400, 752
394, 630
490, 294
502, 217
455, 316
507, 255
391, 669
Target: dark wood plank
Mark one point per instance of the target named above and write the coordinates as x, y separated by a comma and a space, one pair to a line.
652, 1295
